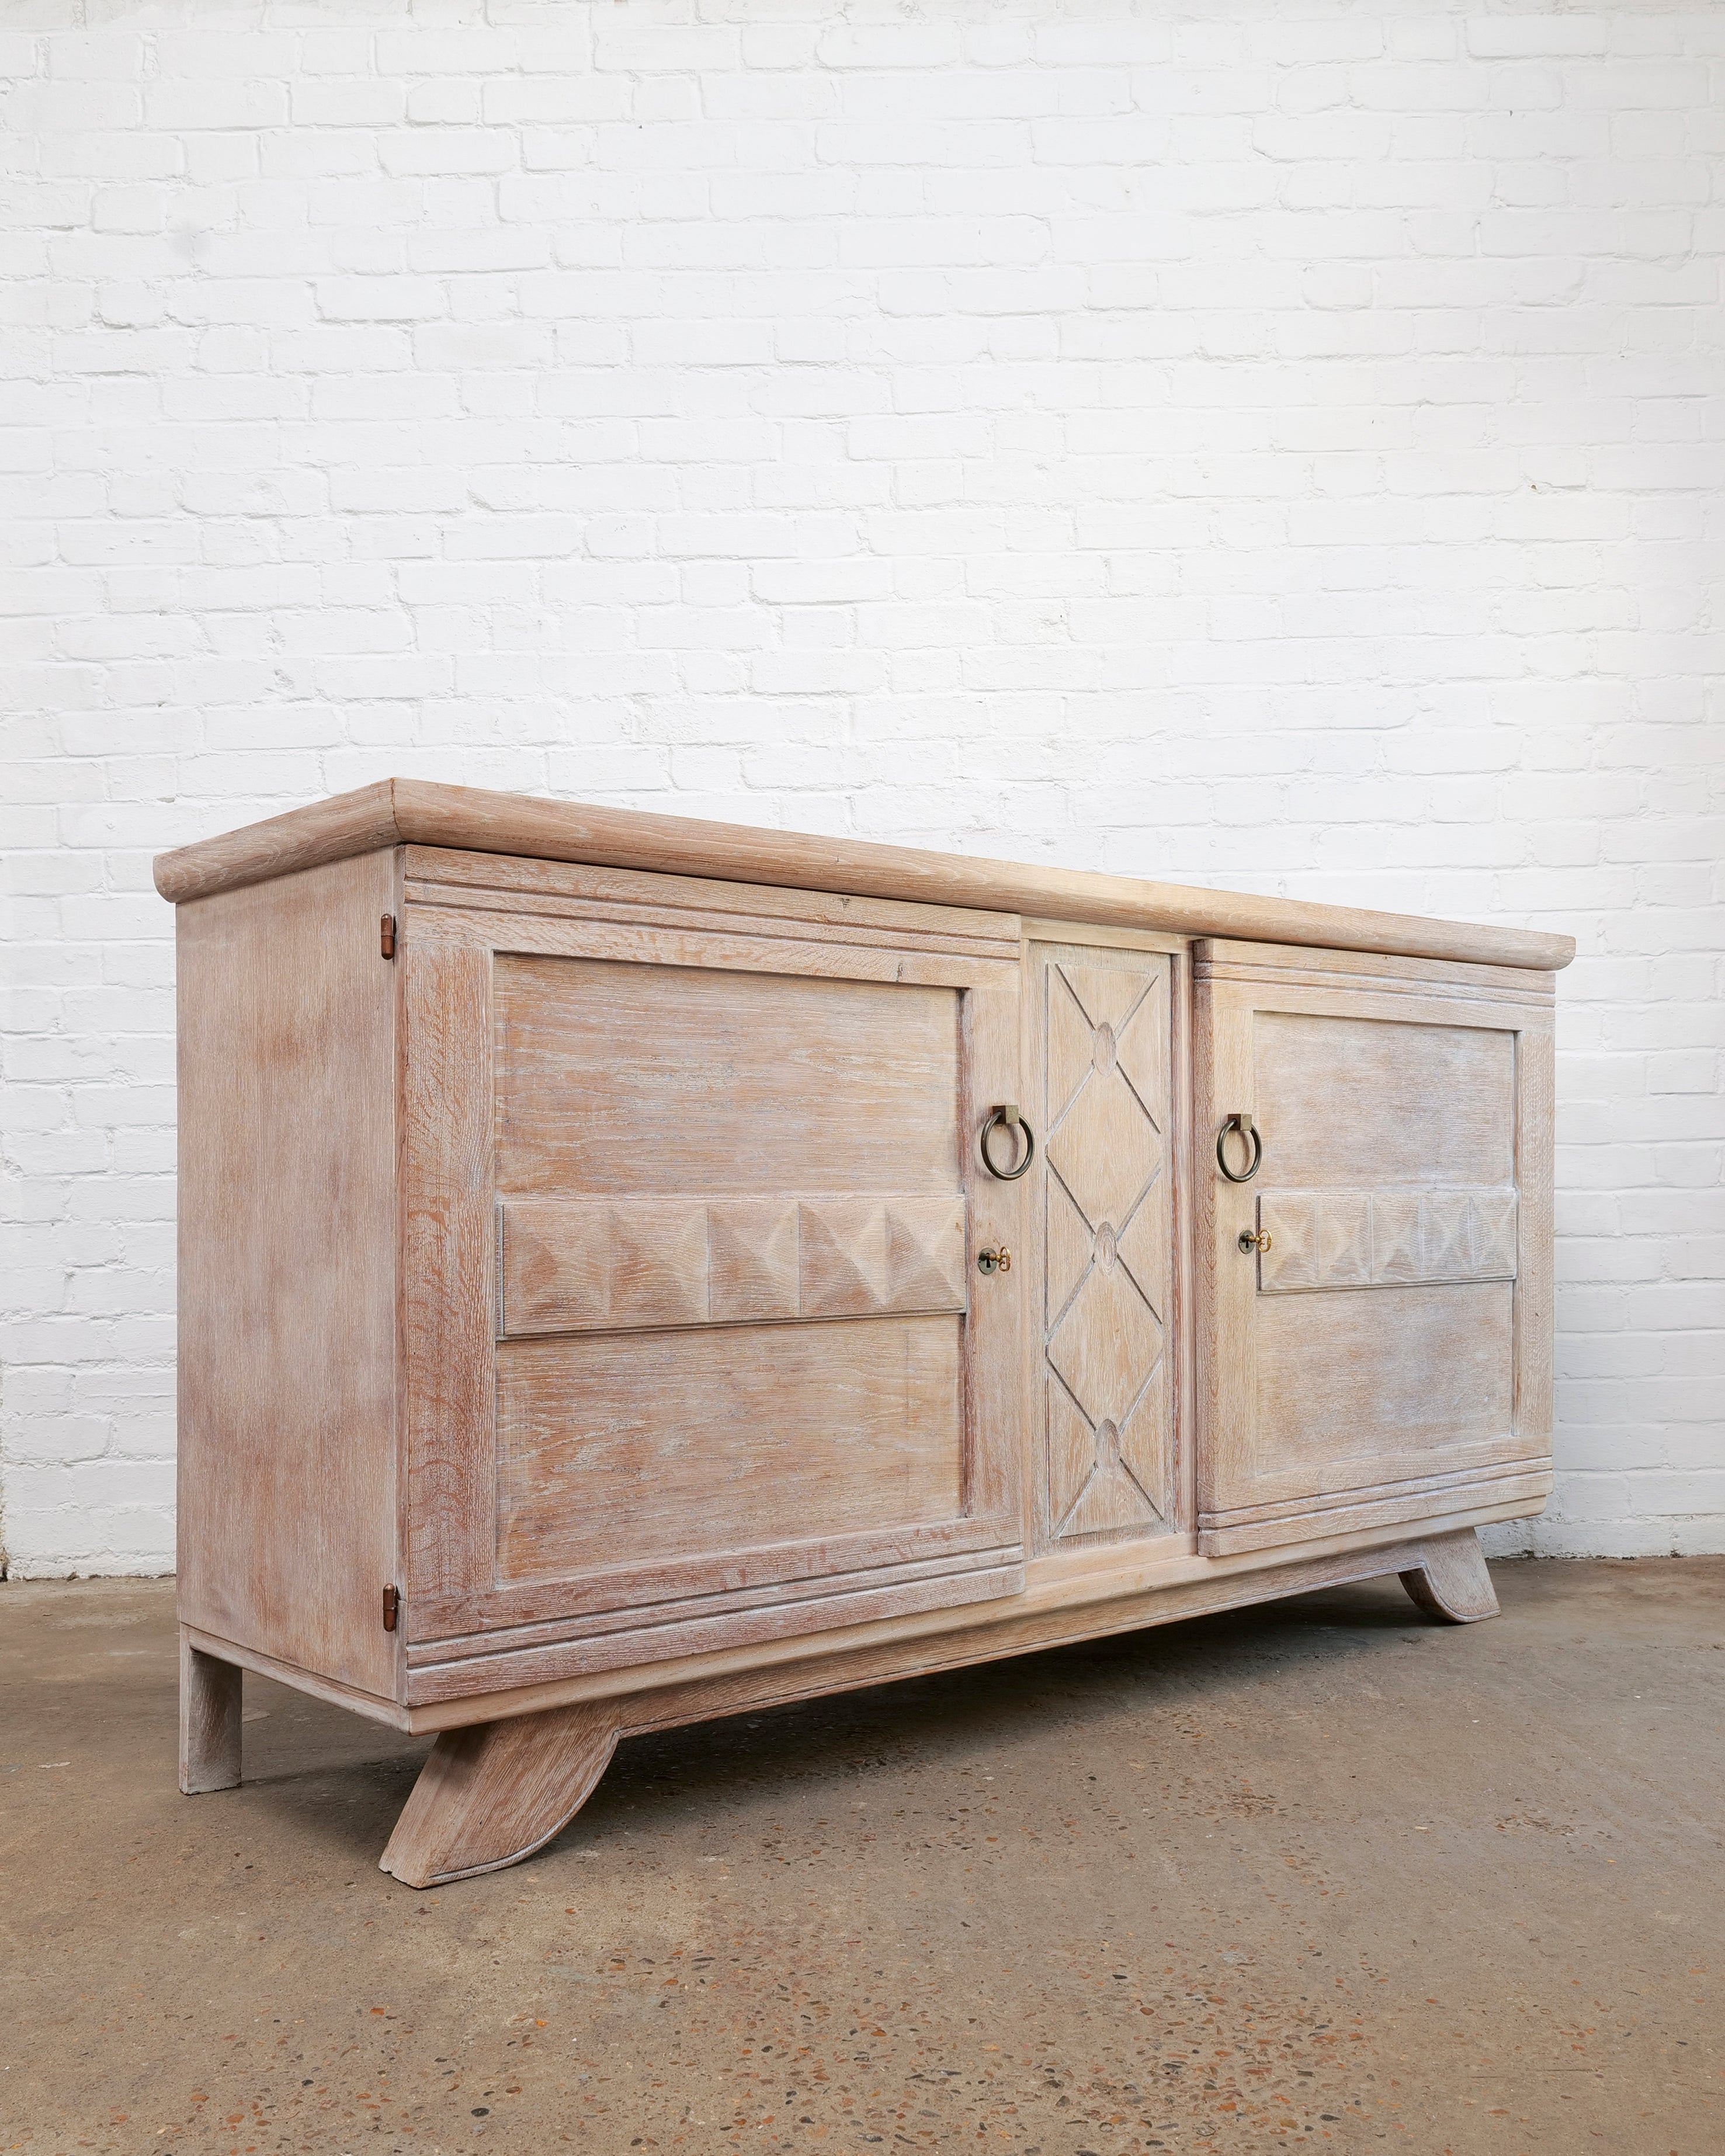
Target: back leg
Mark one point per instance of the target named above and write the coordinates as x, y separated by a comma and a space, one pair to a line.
210, 1721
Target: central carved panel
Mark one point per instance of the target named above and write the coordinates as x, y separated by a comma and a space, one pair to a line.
1106, 1244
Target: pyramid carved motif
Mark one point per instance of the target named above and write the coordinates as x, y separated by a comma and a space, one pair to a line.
1335, 1239
610, 1265
1106, 1246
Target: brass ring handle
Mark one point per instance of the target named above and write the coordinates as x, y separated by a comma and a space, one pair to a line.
1254, 1138
1005, 1114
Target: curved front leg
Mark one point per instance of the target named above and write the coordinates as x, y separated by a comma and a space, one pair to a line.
1452, 1581
489, 1796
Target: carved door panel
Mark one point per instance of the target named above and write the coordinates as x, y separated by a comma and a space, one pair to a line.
1104, 1389
699, 1354
1374, 1333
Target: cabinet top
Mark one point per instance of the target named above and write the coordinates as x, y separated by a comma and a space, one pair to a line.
412, 812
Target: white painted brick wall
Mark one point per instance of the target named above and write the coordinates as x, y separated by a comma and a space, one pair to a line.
1278, 445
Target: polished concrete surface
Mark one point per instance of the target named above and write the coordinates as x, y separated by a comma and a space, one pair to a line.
1319, 1873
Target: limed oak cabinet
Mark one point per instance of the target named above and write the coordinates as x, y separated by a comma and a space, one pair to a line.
635, 1270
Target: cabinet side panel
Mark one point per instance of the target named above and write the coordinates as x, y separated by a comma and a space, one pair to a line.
287, 1236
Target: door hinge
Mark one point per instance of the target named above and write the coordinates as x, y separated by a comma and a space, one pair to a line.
392, 1607
386, 940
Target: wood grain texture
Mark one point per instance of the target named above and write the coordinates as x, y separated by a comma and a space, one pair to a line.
1103, 1606
1091, 1593
836, 1600
1358, 1103
610, 1265
638, 1597
1284, 965
734, 946
288, 1102
1536, 1123
1503, 1490
1083, 1593
1331, 1239
1105, 1386
489, 1796
492, 1794
391, 1712
624, 1448
337, 828
644, 1127
467, 819
1399, 1155
449, 1271
210, 1697
1423, 1376
705, 1403
1452, 1581
641, 1079
575, 890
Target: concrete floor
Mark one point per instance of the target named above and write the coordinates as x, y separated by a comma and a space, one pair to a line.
1322, 1872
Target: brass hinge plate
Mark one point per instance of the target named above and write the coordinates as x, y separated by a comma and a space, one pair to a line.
391, 1608
386, 938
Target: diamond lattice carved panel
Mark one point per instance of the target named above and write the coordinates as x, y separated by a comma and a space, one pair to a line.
1070, 1245
1107, 1151
1106, 1346
1106, 1246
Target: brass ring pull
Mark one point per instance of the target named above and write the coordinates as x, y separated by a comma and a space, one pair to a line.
1005, 1114
1243, 1124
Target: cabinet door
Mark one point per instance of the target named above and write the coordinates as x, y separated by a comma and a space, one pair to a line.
699, 1352
1375, 1304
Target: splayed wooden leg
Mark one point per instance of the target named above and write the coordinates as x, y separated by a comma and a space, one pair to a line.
1452, 1581
490, 1795
210, 1721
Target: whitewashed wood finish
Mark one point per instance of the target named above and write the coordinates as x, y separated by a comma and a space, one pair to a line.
389, 1709
758, 1071
577, 890
1105, 1387
1452, 1581
210, 1700
465, 818
680, 1444
1083, 1591
1334, 1238
492, 1794
642, 1079
1366, 1399
609, 1265
1338, 1090
288, 1119
701, 1402
1279, 964
1355, 1386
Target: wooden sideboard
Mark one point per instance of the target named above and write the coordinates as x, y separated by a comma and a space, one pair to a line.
635, 1270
